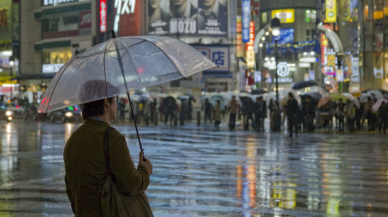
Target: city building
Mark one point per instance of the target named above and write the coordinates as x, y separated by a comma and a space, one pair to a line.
52, 32
9, 46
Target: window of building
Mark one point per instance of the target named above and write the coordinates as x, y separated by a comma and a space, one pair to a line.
66, 25
54, 59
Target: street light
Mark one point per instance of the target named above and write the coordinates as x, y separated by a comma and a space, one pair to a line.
11, 63
275, 26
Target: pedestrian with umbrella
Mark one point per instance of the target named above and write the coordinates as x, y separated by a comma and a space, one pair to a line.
208, 107
382, 116
350, 111
260, 113
292, 114
101, 179
249, 109
340, 114
217, 114
233, 107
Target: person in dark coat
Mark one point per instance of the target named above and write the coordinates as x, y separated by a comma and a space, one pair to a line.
260, 113
169, 110
308, 113
183, 112
85, 162
340, 112
382, 117
292, 114
249, 108
208, 111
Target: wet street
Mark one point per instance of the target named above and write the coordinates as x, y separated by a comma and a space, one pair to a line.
199, 171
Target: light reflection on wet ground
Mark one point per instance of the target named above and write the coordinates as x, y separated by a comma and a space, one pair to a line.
204, 172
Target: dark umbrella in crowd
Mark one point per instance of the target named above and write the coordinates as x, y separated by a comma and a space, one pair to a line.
122, 64
303, 84
315, 96
258, 91
191, 97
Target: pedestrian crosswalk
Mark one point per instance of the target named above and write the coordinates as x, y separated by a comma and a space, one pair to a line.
201, 171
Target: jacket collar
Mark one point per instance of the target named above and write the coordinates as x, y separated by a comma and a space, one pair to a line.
95, 122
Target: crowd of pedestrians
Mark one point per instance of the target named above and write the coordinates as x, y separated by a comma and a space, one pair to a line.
295, 116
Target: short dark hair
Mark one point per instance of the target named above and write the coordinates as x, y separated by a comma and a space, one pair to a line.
94, 109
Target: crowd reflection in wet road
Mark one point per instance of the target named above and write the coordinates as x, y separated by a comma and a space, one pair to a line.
203, 172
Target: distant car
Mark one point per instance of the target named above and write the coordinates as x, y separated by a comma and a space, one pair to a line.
6, 113
71, 113
17, 110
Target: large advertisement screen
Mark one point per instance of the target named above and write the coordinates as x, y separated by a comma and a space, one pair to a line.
188, 17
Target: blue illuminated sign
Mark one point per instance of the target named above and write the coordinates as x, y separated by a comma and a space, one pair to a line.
246, 19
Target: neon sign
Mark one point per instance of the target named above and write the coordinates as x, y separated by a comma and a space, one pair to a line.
102, 15
123, 7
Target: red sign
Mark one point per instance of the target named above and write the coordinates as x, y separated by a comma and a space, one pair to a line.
251, 37
103, 16
85, 20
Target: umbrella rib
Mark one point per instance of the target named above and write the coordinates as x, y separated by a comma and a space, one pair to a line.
59, 79
168, 58
131, 60
104, 54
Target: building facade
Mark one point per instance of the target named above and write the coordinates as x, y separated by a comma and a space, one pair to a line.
52, 32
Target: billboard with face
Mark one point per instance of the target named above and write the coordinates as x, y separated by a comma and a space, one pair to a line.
188, 17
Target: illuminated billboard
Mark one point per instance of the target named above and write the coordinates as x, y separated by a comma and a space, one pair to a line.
188, 17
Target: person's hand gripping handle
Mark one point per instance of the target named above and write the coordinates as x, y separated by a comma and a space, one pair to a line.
145, 163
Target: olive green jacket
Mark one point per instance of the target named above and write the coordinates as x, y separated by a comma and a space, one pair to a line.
85, 167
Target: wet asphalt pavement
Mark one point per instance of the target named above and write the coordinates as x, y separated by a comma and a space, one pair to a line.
200, 171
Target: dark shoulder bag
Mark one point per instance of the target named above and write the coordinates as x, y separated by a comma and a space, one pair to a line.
113, 202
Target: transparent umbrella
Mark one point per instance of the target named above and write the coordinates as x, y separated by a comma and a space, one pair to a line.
120, 65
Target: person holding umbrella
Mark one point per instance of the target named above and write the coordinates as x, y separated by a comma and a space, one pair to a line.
217, 114
340, 112
350, 111
97, 161
382, 116
208, 110
249, 108
84, 158
233, 107
260, 113
292, 114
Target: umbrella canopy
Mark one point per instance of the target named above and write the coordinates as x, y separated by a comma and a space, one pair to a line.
167, 99
336, 97
122, 64
191, 97
228, 98
203, 99
380, 90
159, 95
353, 99
258, 91
377, 105
373, 94
213, 100
315, 96
183, 98
304, 84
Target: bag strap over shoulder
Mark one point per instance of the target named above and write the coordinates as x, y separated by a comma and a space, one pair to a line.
106, 149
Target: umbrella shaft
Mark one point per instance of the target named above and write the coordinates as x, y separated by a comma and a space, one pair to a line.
134, 120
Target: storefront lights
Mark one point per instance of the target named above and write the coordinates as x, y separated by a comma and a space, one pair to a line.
260, 45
